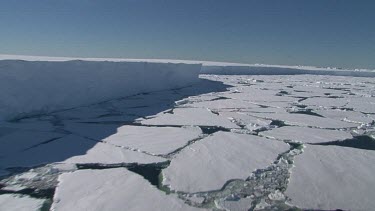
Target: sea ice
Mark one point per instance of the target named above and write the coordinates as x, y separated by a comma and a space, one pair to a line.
333, 177
111, 189
16, 202
307, 120
306, 135
154, 140
211, 162
190, 116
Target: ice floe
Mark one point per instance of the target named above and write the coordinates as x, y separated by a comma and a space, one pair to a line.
111, 189
211, 162
332, 177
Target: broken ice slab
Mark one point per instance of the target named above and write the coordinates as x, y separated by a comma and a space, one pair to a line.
313, 91
111, 189
222, 104
210, 163
37, 182
274, 104
154, 140
249, 122
17, 202
196, 99
19, 141
234, 204
363, 104
258, 95
306, 135
349, 116
307, 120
107, 154
190, 116
264, 109
333, 177
326, 102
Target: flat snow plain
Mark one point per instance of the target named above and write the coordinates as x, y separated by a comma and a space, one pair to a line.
238, 142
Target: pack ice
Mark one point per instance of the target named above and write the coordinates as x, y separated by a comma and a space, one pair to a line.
132, 134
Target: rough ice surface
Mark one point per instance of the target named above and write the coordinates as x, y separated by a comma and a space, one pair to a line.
109, 154
331, 177
221, 104
306, 135
307, 120
154, 140
15, 202
241, 204
111, 189
348, 116
221, 157
248, 122
190, 116
230, 121
366, 105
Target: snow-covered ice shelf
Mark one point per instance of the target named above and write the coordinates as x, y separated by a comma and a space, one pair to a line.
34, 87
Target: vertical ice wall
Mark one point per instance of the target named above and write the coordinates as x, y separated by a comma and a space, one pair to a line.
30, 87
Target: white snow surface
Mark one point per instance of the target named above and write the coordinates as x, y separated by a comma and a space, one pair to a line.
16, 202
32, 87
332, 177
306, 135
111, 189
307, 120
103, 153
190, 116
210, 163
154, 140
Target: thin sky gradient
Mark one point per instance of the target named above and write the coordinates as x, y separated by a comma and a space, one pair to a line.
300, 32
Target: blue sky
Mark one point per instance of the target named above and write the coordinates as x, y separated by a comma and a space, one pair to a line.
316, 32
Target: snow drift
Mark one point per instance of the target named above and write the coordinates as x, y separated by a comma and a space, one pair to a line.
33, 87
229, 69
